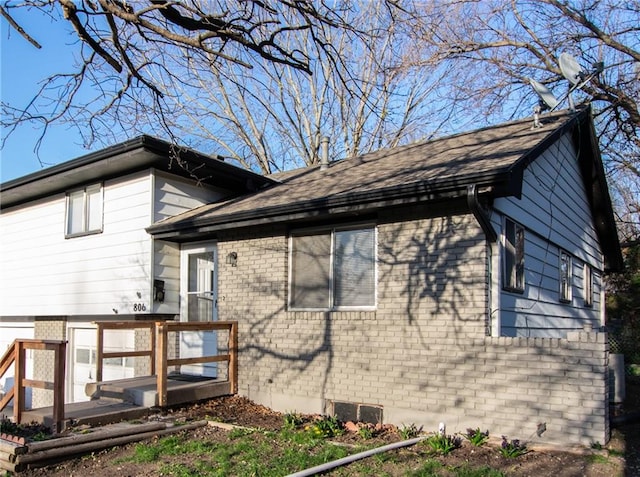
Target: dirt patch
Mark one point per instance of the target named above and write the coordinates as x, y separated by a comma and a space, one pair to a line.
242, 412
230, 409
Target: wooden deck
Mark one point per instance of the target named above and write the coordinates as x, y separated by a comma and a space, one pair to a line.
128, 399
116, 400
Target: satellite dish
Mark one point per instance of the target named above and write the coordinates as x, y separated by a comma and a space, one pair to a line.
570, 68
545, 94
574, 73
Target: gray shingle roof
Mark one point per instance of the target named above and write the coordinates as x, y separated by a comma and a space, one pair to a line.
492, 158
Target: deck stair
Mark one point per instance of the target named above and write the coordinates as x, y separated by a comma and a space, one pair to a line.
142, 391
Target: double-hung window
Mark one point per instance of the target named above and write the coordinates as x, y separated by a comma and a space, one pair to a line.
565, 276
513, 269
84, 211
333, 269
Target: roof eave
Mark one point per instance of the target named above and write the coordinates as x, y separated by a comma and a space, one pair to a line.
494, 185
595, 181
127, 157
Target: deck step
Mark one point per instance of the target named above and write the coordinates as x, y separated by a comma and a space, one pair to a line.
142, 391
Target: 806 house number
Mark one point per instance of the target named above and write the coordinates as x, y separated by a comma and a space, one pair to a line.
139, 307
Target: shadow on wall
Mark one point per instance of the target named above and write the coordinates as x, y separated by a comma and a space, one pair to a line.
424, 348
431, 271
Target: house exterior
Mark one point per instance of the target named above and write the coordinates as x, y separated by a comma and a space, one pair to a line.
457, 280
74, 249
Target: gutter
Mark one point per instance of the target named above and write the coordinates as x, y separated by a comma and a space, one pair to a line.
152, 144
412, 193
479, 213
130, 156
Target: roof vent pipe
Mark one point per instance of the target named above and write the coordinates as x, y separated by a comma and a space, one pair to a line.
324, 153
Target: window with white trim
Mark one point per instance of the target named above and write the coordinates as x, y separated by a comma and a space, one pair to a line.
84, 211
588, 285
333, 269
565, 276
513, 263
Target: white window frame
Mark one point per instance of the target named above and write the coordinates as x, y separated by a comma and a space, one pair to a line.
85, 227
587, 285
565, 277
331, 282
513, 277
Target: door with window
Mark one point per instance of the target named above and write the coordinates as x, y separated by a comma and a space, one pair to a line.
199, 298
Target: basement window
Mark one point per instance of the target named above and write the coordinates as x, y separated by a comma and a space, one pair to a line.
333, 269
84, 211
513, 269
565, 276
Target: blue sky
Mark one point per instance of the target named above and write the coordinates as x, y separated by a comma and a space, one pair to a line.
22, 67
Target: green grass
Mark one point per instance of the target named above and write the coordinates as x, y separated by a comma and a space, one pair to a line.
597, 459
274, 454
433, 468
245, 455
172, 445
616, 453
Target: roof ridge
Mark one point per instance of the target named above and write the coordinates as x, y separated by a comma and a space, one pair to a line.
394, 150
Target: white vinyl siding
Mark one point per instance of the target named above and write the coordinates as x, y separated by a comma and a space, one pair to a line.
333, 269
166, 267
555, 214
42, 273
173, 196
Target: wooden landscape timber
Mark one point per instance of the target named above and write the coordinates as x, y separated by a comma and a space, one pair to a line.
18, 458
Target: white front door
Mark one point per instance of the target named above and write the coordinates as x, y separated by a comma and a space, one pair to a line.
199, 297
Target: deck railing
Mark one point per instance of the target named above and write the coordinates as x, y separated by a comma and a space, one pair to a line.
16, 355
101, 354
160, 361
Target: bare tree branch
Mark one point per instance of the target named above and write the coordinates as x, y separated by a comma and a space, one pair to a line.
501, 45
18, 28
70, 13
